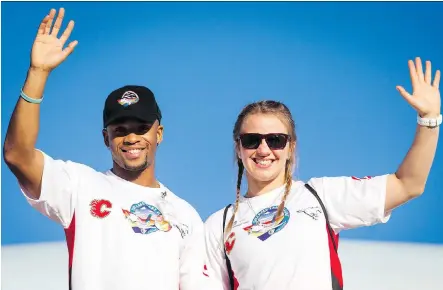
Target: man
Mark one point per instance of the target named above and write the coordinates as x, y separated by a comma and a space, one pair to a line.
124, 229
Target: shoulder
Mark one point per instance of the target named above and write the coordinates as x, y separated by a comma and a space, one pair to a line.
67, 166
214, 227
343, 184
316, 183
185, 209
215, 221
336, 180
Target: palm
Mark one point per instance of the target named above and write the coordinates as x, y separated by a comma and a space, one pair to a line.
425, 98
47, 50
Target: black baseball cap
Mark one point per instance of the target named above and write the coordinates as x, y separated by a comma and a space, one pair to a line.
136, 102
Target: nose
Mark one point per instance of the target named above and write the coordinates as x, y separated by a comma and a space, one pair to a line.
263, 149
130, 139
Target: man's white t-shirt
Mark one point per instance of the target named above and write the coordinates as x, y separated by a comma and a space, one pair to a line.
121, 235
294, 252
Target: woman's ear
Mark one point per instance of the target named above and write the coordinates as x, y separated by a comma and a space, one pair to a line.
292, 148
237, 151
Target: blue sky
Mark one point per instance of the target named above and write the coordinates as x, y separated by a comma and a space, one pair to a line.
335, 65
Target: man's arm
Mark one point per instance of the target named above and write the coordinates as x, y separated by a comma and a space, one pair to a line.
25, 162
410, 179
19, 152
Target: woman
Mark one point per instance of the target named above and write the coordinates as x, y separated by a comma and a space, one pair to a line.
283, 234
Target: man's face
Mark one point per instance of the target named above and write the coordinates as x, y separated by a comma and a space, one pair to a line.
133, 143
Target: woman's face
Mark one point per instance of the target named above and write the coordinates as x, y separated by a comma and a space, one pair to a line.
264, 163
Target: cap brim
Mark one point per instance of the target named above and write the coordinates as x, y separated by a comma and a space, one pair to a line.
128, 114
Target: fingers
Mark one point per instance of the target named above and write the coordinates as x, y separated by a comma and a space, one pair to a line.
413, 73
49, 22
70, 48
436, 79
419, 69
41, 28
58, 22
428, 72
404, 94
417, 76
67, 32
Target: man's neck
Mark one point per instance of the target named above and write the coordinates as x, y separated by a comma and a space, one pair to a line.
144, 178
256, 188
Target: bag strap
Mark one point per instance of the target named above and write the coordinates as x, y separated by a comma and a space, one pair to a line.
330, 231
228, 262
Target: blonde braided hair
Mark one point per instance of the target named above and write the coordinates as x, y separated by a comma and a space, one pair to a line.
265, 107
237, 199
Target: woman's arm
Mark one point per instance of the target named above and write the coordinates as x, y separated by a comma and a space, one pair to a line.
410, 179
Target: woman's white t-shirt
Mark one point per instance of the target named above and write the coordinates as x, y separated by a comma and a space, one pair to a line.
294, 252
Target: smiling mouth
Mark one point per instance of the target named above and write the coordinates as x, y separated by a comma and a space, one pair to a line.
263, 162
132, 153
133, 150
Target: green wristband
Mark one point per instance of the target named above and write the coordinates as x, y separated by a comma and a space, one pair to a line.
29, 99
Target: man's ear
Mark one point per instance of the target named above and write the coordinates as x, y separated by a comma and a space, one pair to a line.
105, 137
160, 130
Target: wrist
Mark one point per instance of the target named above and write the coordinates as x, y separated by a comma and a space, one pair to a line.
38, 72
35, 82
430, 115
431, 120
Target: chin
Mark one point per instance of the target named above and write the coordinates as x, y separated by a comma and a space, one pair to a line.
263, 175
137, 165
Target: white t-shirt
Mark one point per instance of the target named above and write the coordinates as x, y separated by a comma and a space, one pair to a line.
295, 252
121, 235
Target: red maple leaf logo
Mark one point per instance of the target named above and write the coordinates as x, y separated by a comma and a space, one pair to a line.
230, 242
99, 208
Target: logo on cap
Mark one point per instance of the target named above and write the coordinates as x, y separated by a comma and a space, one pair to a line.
128, 98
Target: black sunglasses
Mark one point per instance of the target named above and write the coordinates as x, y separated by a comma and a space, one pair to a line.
275, 141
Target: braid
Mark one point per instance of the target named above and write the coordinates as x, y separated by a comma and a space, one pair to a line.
237, 199
288, 181
273, 108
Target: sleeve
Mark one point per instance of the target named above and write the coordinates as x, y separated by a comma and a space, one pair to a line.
353, 202
58, 190
192, 257
215, 262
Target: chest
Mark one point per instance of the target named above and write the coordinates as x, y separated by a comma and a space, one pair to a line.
259, 236
127, 222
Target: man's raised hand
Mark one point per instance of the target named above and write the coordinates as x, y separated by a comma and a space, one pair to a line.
47, 50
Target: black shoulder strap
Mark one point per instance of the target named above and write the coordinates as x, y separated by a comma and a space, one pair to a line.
330, 231
228, 263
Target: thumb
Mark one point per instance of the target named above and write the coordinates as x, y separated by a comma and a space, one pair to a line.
405, 94
70, 48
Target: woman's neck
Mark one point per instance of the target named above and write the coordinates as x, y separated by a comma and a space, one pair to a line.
256, 187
